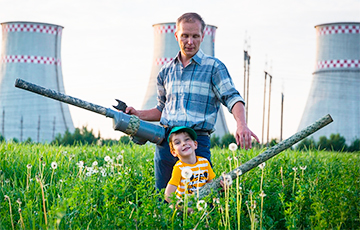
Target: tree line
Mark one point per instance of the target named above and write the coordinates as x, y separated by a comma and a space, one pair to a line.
84, 136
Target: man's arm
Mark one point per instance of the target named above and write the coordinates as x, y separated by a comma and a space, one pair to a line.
243, 133
147, 115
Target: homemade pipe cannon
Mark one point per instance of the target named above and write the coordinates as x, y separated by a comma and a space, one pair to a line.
266, 155
139, 130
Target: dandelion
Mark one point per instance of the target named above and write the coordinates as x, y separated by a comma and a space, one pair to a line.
54, 165
107, 158
80, 164
216, 200
262, 165
29, 166
227, 179
262, 194
8, 198
238, 172
119, 157
233, 147
186, 173
95, 163
303, 168
295, 171
201, 205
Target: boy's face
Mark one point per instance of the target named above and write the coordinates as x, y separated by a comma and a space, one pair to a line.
183, 145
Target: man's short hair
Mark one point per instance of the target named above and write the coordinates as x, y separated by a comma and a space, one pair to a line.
190, 17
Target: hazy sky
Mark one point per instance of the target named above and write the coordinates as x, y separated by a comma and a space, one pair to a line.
107, 49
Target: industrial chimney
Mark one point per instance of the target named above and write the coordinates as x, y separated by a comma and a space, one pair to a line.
31, 51
335, 86
165, 49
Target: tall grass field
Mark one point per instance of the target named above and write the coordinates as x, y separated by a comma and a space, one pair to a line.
93, 187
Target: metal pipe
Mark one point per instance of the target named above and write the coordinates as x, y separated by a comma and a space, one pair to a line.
269, 153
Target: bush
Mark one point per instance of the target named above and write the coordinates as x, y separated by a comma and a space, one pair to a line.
83, 136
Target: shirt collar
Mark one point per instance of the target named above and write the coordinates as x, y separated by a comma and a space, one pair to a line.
196, 58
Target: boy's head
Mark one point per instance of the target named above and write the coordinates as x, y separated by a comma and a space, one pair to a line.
180, 135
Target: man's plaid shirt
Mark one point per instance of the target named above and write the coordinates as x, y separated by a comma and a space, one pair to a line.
191, 96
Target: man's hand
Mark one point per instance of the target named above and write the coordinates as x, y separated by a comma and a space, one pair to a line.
243, 133
243, 137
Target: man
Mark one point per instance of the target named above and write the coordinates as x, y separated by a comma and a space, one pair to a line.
190, 89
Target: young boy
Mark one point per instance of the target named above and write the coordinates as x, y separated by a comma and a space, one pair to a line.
182, 142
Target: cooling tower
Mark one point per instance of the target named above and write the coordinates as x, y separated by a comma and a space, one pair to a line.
336, 81
165, 49
31, 51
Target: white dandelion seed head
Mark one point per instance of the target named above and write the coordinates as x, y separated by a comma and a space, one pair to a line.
6, 197
61, 180
216, 200
80, 164
18, 201
295, 169
238, 172
107, 158
262, 194
233, 147
122, 151
29, 166
229, 158
119, 157
201, 204
88, 173
54, 165
303, 167
131, 203
236, 158
104, 174
262, 165
227, 179
95, 163
186, 172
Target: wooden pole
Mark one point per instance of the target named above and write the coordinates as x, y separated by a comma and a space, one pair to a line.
263, 121
268, 122
269, 153
282, 117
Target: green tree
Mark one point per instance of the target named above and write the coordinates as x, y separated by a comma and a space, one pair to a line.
125, 139
355, 146
2, 138
306, 144
214, 141
227, 139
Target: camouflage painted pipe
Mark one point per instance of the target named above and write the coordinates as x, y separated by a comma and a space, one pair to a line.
269, 153
140, 131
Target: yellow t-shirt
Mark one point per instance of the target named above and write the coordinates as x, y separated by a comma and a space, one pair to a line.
202, 172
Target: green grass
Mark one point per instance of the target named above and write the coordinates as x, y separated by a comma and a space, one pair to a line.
119, 194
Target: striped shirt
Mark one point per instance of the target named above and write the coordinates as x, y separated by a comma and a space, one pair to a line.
202, 172
191, 96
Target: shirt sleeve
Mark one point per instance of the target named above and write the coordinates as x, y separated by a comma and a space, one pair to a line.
175, 176
223, 86
161, 91
211, 172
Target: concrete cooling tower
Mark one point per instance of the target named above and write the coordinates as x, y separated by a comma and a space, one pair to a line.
31, 51
336, 81
165, 49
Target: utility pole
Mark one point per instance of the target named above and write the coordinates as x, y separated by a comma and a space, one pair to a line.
3, 123
38, 133
268, 123
53, 136
21, 128
246, 75
281, 120
263, 121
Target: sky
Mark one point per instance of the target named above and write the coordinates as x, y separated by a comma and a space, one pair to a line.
107, 50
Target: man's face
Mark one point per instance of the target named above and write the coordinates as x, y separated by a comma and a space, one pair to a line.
189, 37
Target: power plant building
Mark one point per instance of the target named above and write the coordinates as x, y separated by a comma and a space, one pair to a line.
31, 51
165, 49
335, 86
